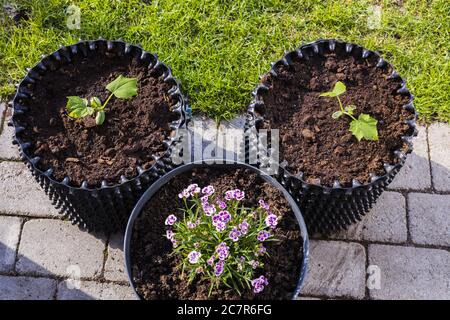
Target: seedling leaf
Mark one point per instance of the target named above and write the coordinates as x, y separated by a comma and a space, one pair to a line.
338, 89
123, 87
364, 127
74, 102
350, 109
96, 103
78, 107
100, 118
337, 114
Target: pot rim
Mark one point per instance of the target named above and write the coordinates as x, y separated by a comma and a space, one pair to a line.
65, 54
254, 117
147, 196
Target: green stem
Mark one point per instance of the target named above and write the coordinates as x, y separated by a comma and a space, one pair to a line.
107, 100
340, 104
342, 109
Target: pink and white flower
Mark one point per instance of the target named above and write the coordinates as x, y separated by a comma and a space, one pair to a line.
239, 194
234, 234
263, 235
170, 220
271, 221
259, 283
194, 256
208, 190
244, 226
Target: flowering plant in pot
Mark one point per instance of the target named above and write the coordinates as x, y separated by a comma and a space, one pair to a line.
232, 238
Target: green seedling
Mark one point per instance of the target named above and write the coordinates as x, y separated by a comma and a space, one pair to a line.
121, 88
365, 127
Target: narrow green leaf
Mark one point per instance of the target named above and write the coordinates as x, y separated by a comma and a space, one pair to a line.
100, 118
123, 87
365, 127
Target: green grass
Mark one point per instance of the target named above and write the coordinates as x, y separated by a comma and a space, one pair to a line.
219, 48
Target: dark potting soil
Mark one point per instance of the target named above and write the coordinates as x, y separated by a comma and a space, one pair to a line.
319, 146
154, 271
133, 130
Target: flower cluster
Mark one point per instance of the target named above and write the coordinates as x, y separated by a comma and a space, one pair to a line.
221, 240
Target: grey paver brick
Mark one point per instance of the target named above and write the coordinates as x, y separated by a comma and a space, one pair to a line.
439, 139
386, 222
415, 174
25, 288
115, 264
90, 290
20, 194
50, 246
336, 269
9, 238
411, 273
7, 149
429, 217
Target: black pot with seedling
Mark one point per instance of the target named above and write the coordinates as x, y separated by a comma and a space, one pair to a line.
95, 123
346, 122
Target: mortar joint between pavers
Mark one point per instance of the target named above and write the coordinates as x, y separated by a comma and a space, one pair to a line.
408, 223
367, 291
105, 256
429, 157
60, 278
16, 253
396, 244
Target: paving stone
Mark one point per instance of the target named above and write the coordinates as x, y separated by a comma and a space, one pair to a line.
20, 193
50, 246
429, 218
24, 288
90, 290
415, 174
336, 269
211, 142
115, 265
9, 238
439, 138
7, 149
411, 273
386, 222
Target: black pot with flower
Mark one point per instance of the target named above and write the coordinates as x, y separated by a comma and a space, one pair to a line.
216, 231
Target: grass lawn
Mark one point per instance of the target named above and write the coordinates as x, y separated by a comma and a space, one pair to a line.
218, 48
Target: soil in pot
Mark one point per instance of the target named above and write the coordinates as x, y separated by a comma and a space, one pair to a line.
133, 131
154, 270
314, 143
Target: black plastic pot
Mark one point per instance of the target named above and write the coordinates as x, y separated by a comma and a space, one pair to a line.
105, 208
147, 196
327, 209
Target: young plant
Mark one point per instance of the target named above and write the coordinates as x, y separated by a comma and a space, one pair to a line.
365, 127
220, 240
121, 88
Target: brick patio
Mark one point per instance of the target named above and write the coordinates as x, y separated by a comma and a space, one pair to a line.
406, 237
